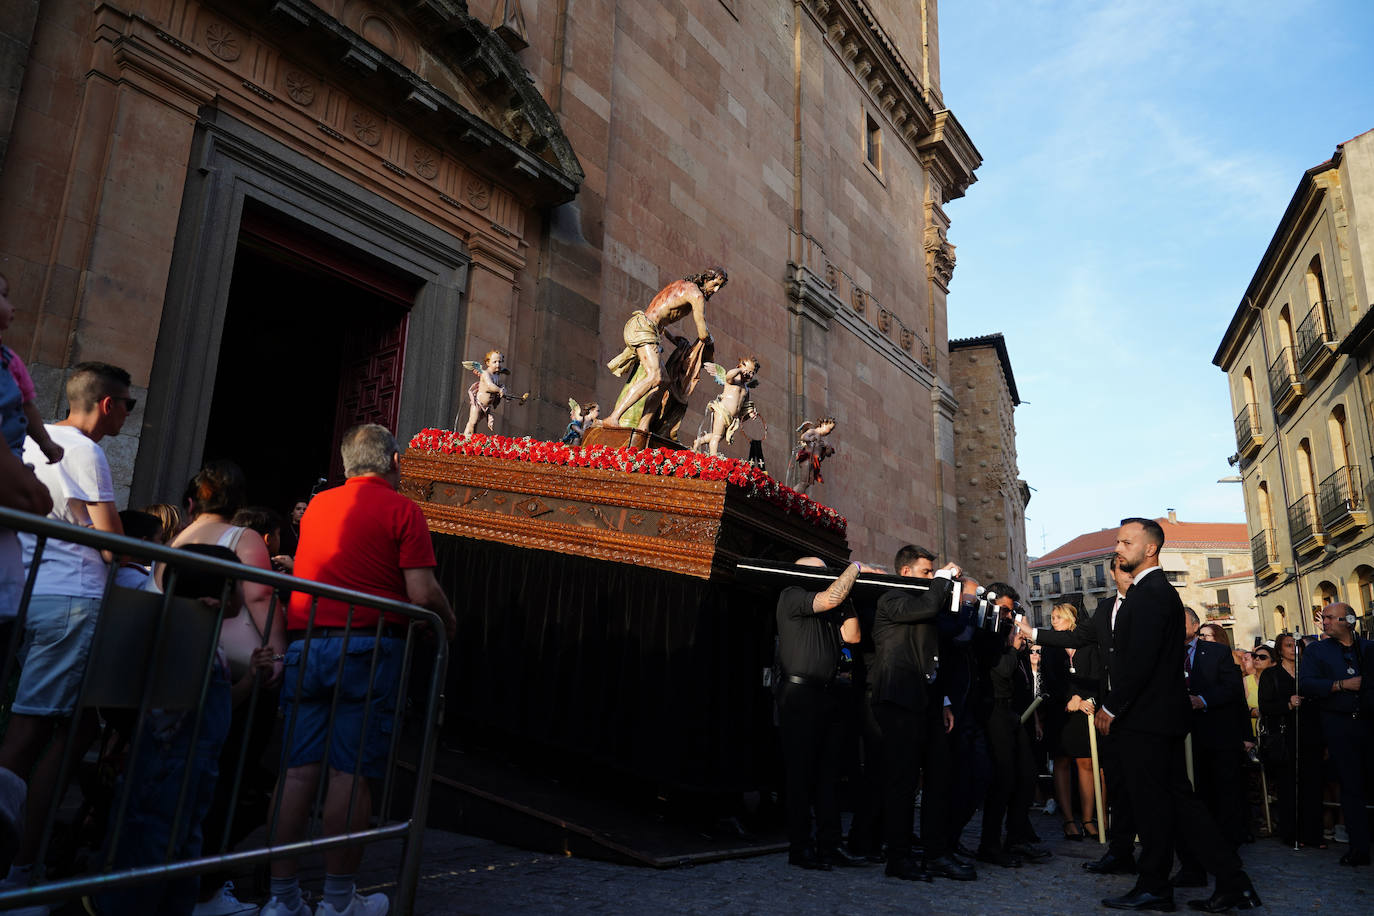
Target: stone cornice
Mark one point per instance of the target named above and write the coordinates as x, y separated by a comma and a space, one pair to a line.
1307, 198
815, 299
876, 63
150, 64
943, 400
933, 136
950, 155
523, 147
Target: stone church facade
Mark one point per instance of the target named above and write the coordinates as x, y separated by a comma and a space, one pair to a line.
286, 217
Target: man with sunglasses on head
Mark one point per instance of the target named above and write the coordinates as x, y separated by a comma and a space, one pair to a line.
62, 612
1332, 673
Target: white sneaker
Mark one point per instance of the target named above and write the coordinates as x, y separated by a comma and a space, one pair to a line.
371, 905
1339, 834
275, 907
225, 904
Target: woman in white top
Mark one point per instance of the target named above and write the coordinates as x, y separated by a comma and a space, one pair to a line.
219, 493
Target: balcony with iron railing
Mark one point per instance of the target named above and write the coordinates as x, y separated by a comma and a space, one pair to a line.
1036, 593
1264, 551
1248, 435
1342, 501
1096, 583
1286, 384
1316, 340
1218, 611
1304, 524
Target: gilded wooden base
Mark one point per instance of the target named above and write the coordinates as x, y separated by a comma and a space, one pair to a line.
694, 527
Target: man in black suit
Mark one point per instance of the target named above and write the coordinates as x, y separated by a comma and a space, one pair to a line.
1120, 855
1146, 708
1219, 720
911, 715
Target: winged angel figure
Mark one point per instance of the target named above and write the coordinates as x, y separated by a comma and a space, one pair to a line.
486, 394
580, 419
811, 450
732, 406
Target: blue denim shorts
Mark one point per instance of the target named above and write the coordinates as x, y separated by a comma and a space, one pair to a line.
57, 642
318, 683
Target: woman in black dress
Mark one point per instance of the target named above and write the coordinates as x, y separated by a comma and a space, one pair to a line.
1291, 746
1074, 687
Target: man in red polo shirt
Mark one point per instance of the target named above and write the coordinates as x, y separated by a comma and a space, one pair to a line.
367, 537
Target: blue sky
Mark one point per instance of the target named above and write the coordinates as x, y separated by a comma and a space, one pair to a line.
1137, 157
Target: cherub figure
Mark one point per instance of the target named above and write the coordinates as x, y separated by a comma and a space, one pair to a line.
732, 406
639, 361
812, 449
486, 394
580, 419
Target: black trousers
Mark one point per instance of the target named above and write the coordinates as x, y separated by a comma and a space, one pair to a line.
1298, 782
1352, 750
1013, 782
1168, 813
914, 741
1218, 774
812, 740
866, 830
1121, 830
971, 774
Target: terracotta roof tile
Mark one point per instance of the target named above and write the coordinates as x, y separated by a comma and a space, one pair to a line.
1195, 535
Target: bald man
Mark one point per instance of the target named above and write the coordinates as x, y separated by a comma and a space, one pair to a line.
813, 626
1332, 673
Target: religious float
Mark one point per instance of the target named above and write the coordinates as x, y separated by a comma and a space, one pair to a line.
600, 611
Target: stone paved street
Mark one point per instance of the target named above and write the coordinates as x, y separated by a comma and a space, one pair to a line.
465, 875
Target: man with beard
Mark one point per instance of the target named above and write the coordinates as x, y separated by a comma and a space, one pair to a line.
911, 713
1146, 708
674, 302
1120, 855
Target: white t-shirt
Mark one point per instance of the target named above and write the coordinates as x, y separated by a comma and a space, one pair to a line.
82, 476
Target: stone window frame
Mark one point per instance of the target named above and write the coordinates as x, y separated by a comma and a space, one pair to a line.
231, 163
871, 145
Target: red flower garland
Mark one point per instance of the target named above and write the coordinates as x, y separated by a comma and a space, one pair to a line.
661, 461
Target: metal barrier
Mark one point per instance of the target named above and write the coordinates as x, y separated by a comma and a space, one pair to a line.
155, 653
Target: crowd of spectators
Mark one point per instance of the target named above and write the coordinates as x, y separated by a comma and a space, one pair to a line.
200, 777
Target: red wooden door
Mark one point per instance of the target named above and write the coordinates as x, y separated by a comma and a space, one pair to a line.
370, 378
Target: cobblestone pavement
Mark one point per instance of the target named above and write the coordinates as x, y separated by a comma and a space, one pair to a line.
465, 875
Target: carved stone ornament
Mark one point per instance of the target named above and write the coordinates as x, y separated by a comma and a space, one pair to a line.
908, 337
366, 129
425, 162
939, 255
478, 193
860, 300
222, 42
300, 87
831, 275
884, 320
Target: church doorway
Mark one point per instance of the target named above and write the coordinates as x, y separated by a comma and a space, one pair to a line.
313, 343
298, 304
